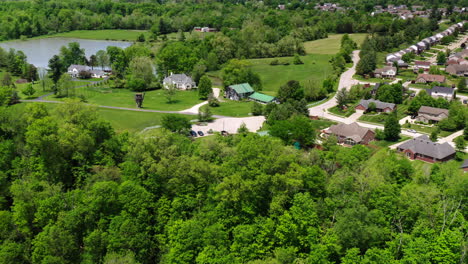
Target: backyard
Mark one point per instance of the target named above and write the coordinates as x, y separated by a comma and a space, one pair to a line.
380, 118
331, 45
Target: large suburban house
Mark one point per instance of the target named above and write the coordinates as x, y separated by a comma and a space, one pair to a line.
350, 134
179, 81
440, 91
422, 148
429, 114
464, 166
379, 105
74, 71
245, 91
429, 78
385, 72
457, 69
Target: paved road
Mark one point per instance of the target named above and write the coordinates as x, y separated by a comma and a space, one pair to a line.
346, 81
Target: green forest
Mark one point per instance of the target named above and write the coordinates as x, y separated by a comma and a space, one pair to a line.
74, 191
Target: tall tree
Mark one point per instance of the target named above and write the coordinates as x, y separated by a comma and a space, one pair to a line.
56, 68
204, 87
392, 128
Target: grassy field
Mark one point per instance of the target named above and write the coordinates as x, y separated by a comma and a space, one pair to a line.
117, 34
233, 108
330, 45
154, 100
371, 80
121, 120
316, 68
385, 143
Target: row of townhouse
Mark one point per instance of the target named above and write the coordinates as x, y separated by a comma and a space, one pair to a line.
424, 44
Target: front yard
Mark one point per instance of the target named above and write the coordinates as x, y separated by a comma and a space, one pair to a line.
380, 118
343, 113
425, 129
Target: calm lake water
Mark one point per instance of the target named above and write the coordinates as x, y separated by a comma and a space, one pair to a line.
39, 51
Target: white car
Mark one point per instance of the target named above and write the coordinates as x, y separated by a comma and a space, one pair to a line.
411, 130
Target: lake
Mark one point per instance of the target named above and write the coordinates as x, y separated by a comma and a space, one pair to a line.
39, 51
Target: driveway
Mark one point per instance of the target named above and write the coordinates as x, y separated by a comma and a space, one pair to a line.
231, 124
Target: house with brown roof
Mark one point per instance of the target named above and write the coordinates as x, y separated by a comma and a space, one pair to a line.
385, 72
457, 69
350, 134
431, 115
429, 78
425, 65
379, 105
422, 148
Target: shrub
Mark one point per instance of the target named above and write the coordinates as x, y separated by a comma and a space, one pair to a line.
274, 62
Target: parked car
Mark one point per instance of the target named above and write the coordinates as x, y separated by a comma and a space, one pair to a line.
193, 133
200, 133
411, 130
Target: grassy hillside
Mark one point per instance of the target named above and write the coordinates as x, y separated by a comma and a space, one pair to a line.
330, 45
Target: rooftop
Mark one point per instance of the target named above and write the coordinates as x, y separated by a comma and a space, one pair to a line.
423, 145
242, 88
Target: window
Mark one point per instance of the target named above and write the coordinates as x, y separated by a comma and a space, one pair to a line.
350, 142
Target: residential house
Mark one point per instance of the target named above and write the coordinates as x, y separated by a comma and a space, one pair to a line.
431, 115
179, 81
464, 166
425, 65
379, 105
430, 78
457, 69
402, 64
238, 91
447, 93
97, 73
350, 134
422, 148
263, 98
385, 72
75, 69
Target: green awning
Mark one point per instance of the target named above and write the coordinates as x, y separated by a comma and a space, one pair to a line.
262, 97
242, 88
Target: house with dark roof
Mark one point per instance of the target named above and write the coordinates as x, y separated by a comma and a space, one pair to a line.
422, 148
379, 105
429, 78
431, 115
179, 81
447, 93
238, 91
350, 134
464, 166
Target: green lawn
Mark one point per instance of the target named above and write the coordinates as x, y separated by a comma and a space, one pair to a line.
425, 129
118, 34
406, 75
330, 45
385, 143
371, 80
233, 108
316, 68
154, 100
337, 111
380, 118
420, 85
121, 120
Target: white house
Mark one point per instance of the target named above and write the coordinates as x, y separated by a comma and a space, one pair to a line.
180, 81
74, 70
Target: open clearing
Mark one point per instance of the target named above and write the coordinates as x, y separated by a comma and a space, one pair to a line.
121, 120
331, 45
154, 100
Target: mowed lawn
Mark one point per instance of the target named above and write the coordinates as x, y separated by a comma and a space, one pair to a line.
121, 120
331, 45
107, 34
233, 108
154, 100
316, 68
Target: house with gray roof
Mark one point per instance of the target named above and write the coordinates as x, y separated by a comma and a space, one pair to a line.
422, 148
379, 105
75, 69
179, 81
350, 134
427, 114
447, 93
464, 166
